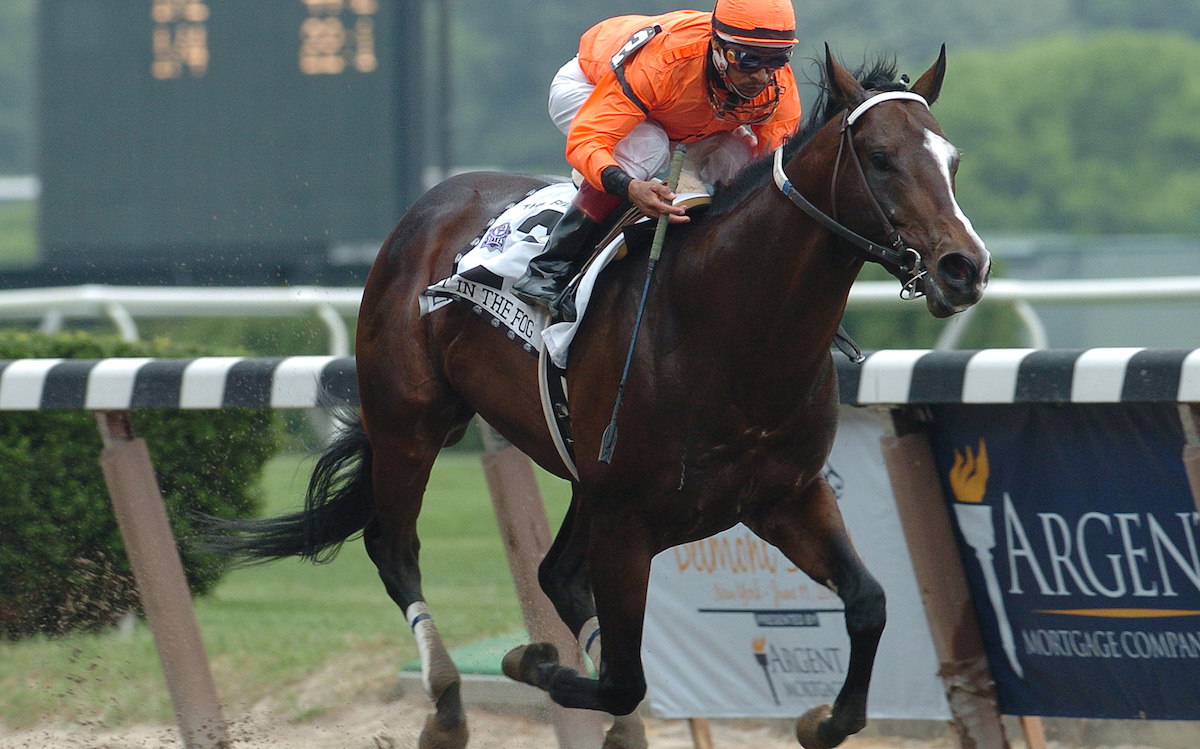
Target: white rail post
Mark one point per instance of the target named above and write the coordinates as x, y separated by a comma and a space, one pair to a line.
124, 321
339, 338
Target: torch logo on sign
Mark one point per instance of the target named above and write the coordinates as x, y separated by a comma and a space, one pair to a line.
760, 655
968, 481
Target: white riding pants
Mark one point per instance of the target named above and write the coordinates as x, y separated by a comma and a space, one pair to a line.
646, 151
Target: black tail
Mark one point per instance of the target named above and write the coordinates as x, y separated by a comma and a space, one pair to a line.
338, 505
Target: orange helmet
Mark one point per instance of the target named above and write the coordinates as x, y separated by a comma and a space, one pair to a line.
756, 23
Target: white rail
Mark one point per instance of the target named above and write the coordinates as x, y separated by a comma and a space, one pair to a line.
20, 188
124, 304
1022, 294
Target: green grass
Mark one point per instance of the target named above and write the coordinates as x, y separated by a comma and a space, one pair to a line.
268, 628
18, 233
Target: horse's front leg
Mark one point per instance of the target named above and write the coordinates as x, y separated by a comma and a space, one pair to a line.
564, 578
808, 529
619, 555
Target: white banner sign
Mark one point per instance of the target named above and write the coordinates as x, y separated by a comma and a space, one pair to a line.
733, 629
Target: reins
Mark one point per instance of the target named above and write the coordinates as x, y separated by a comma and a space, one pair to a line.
899, 259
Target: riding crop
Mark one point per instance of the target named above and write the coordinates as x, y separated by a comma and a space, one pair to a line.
609, 442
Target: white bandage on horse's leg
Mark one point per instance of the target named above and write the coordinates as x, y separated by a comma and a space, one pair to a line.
437, 670
589, 640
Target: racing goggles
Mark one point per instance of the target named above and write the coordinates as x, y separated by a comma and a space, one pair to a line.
748, 61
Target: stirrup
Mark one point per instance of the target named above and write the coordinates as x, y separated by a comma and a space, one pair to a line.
537, 289
535, 300
562, 308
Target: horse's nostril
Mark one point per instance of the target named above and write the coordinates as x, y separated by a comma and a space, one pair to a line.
957, 268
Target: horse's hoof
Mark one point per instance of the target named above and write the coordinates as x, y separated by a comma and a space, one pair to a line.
511, 663
627, 732
435, 735
808, 728
520, 664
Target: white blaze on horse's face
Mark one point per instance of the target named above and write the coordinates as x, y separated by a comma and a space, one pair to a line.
960, 289
944, 153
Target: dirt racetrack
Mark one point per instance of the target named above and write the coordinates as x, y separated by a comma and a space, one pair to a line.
395, 724
352, 705
379, 725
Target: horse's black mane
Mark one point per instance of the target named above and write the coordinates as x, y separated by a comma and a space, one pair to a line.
875, 75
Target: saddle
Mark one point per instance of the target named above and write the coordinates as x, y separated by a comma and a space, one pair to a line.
638, 233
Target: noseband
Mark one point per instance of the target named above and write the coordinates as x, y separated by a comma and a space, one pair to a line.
899, 259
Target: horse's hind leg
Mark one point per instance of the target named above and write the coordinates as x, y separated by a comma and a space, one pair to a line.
809, 530
563, 575
400, 471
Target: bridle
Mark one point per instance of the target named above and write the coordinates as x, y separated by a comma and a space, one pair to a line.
899, 259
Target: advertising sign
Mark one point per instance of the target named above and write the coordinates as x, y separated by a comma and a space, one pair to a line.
1078, 534
734, 629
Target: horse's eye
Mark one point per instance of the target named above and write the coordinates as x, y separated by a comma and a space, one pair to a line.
880, 161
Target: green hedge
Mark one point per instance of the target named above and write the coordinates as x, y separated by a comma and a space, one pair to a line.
62, 562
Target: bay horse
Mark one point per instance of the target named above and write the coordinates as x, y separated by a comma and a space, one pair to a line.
730, 407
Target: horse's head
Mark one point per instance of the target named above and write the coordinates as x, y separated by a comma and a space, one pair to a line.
908, 169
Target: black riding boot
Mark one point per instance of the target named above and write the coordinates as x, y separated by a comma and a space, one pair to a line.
550, 272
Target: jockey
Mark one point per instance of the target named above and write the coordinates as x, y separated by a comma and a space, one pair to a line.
642, 82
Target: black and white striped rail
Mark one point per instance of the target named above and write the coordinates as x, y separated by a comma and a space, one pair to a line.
203, 383
1101, 375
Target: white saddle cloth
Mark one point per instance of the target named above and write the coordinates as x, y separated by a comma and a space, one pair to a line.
486, 271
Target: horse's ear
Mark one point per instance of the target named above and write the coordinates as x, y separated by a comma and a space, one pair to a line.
929, 85
842, 85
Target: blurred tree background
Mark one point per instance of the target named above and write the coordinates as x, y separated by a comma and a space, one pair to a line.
1075, 115
1090, 135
